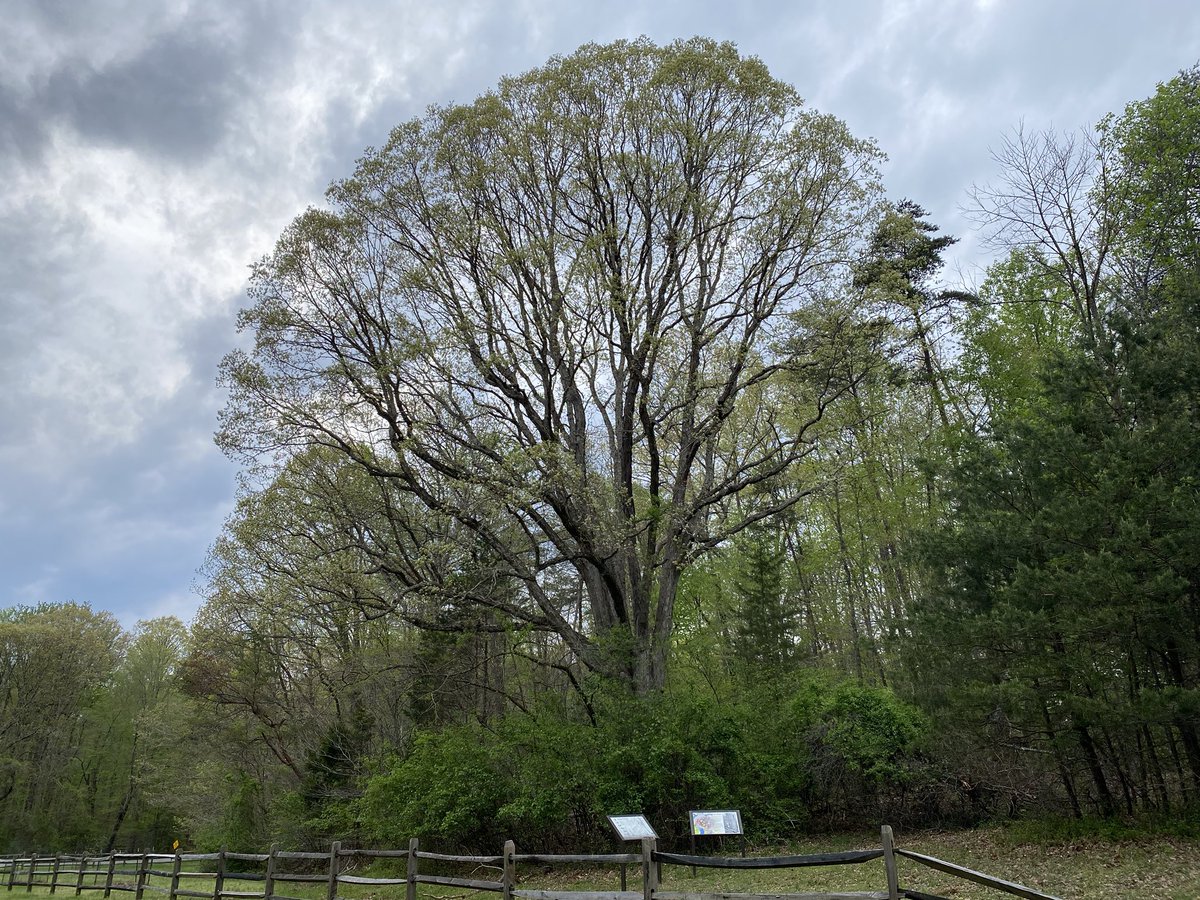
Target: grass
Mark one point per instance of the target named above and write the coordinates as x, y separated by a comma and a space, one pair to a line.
1073, 864
1080, 868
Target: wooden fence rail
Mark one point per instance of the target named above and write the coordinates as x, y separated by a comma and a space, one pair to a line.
132, 873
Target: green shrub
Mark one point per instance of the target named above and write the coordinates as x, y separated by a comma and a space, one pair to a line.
550, 778
872, 731
447, 788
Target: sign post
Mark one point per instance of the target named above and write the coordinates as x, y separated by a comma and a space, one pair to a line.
637, 828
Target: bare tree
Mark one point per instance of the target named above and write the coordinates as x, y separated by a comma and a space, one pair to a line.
575, 318
1054, 199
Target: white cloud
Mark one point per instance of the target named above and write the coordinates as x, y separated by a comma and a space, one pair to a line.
114, 318
38, 590
180, 604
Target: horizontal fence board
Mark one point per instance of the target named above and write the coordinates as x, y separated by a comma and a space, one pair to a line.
124, 887
581, 895
300, 854
242, 894
182, 893
199, 857
585, 858
848, 858
284, 876
245, 876
817, 895
450, 857
248, 857
362, 879
919, 895
471, 883
1009, 887
375, 854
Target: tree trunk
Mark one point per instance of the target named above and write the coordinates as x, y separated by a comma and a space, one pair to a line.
1108, 805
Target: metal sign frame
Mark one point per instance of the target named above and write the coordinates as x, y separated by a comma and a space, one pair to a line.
632, 827
723, 816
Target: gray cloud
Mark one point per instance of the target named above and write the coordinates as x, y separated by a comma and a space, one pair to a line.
170, 89
151, 150
172, 99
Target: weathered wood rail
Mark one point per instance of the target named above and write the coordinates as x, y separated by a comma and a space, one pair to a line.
135, 873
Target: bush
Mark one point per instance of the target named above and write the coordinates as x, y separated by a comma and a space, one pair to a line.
864, 751
447, 788
551, 777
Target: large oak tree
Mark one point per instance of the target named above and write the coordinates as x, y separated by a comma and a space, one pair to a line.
535, 318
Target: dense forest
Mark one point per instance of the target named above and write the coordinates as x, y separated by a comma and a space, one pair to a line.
613, 443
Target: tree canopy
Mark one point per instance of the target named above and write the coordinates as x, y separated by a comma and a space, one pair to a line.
536, 318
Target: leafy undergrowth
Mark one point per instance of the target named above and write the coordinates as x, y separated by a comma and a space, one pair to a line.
1153, 868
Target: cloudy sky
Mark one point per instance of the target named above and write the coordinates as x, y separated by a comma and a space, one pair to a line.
150, 150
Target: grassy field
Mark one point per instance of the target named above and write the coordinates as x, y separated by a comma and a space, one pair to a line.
1080, 869
1076, 870
1088, 869
1157, 868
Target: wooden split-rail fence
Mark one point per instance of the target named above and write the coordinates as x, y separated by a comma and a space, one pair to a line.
135, 873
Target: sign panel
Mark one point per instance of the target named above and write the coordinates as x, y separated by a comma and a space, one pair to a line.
631, 828
716, 821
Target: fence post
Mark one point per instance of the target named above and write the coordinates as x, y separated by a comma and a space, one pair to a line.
219, 881
140, 884
410, 885
176, 867
269, 876
331, 893
33, 861
108, 876
649, 869
510, 869
889, 863
54, 872
78, 875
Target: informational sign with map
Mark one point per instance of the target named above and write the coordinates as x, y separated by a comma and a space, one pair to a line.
631, 828
716, 821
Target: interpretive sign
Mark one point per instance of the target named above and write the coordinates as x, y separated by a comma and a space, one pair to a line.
631, 828
716, 821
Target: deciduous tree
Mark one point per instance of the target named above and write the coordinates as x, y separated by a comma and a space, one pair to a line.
535, 315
